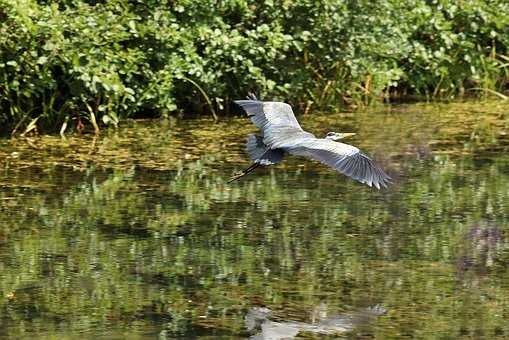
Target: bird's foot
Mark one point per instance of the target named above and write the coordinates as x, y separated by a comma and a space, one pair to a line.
244, 172
236, 176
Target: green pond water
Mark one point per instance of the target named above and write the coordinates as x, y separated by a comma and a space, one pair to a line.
135, 234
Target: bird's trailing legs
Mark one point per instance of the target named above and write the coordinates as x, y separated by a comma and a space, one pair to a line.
244, 172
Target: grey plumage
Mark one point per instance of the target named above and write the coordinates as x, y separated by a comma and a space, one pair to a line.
342, 157
269, 114
281, 133
258, 151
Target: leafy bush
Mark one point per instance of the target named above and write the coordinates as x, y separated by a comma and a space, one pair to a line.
102, 61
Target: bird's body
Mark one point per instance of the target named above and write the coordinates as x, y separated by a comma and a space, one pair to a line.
281, 133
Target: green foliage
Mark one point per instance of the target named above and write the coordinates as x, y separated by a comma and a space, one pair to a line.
106, 60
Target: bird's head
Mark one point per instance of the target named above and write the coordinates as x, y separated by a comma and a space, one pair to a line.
339, 135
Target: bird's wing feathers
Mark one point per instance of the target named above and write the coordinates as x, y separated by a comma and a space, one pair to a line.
258, 151
269, 114
344, 158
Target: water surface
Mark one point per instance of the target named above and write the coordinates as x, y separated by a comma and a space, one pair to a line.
137, 235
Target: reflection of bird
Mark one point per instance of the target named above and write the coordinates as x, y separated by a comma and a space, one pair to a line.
259, 319
281, 134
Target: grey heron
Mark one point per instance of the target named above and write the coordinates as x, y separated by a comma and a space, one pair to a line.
282, 134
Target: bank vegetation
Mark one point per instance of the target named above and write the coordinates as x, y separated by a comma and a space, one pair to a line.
72, 64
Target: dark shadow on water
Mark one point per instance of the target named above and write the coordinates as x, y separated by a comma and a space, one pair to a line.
126, 228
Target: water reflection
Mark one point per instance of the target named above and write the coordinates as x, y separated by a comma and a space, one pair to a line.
482, 249
178, 253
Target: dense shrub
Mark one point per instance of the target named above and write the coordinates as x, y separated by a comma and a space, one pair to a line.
105, 60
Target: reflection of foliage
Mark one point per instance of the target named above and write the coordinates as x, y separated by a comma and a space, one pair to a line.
182, 251
483, 249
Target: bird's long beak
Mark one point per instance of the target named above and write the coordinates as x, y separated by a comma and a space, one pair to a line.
348, 134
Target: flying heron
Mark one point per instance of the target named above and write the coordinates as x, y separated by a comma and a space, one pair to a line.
282, 134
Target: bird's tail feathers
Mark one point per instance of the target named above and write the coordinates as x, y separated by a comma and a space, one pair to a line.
259, 152
251, 96
255, 147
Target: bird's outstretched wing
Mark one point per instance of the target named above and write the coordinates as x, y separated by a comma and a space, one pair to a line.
344, 158
268, 115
